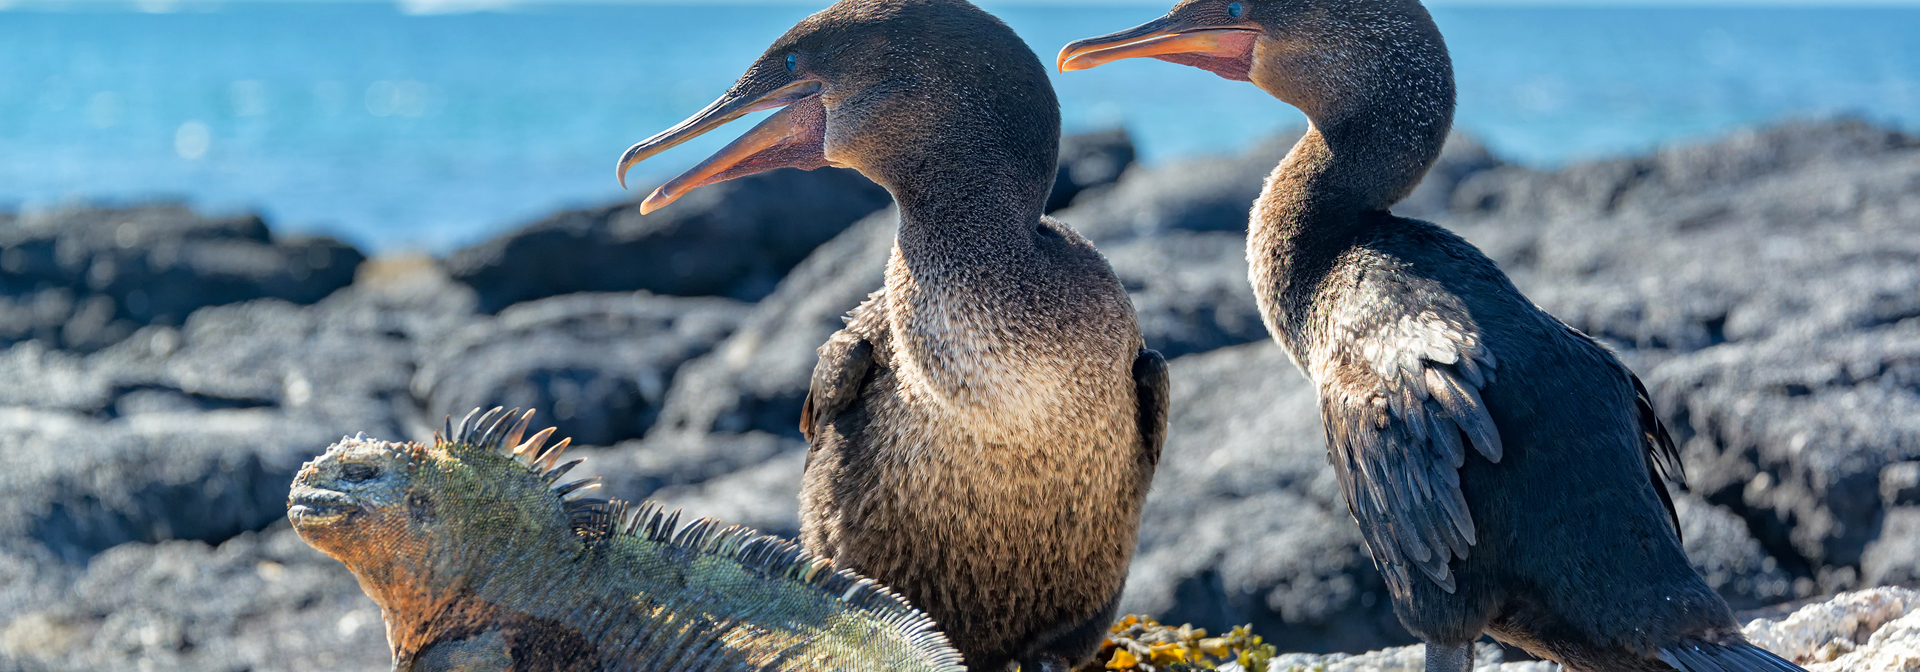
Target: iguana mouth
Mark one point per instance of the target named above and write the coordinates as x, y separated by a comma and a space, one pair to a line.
313, 506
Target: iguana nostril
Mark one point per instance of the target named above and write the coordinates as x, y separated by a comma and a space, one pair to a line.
359, 473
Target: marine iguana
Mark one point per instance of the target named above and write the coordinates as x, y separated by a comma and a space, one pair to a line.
479, 562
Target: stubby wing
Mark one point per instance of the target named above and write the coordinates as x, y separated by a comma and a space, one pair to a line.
1663, 458
837, 378
1400, 402
1151, 390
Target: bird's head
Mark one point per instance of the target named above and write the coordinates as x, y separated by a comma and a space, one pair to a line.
1318, 55
892, 88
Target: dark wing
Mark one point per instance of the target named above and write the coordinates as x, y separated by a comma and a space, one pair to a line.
1400, 402
837, 378
1663, 458
1150, 388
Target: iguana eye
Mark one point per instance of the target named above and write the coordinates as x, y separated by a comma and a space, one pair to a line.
1235, 10
358, 473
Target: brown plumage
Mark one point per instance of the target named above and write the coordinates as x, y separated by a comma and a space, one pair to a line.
985, 429
1503, 467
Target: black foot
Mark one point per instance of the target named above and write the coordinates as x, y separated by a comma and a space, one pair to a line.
1449, 657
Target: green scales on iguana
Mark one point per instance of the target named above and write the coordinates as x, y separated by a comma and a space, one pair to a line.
479, 562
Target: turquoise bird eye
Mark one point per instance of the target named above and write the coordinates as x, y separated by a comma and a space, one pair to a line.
793, 62
1235, 10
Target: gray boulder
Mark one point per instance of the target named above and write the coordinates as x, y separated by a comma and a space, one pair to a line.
597, 366
1725, 553
1245, 523
1208, 194
757, 379
85, 278
195, 432
1216, 193
1189, 289
1089, 161
734, 239
1893, 559
1796, 432
257, 601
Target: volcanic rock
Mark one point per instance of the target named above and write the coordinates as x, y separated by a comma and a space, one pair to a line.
84, 278
597, 366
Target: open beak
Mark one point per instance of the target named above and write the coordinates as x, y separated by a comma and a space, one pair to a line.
794, 137
1224, 50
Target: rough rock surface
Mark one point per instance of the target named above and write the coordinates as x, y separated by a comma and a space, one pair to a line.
1089, 161
1189, 289
757, 379
260, 601
1763, 285
1831, 631
195, 432
1869, 631
1486, 658
87, 277
734, 239
596, 366
1207, 194
1725, 553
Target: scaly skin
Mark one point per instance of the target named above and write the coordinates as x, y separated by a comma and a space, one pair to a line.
480, 563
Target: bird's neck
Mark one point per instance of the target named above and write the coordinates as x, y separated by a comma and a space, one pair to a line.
1364, 151
966, 265
969, 211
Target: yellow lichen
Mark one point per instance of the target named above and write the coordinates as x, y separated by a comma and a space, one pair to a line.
1139, 644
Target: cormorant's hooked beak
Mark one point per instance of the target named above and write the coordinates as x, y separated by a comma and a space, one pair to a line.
1224, 50
794, 137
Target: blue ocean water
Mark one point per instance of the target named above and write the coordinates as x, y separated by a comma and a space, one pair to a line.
431, 131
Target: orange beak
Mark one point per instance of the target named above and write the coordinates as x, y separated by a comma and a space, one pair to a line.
794, 137
1210, 47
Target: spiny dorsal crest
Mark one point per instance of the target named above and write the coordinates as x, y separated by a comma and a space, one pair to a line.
600, 521
774, 557
497, 430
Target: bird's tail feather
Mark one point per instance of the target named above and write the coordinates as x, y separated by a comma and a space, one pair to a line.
1699, 656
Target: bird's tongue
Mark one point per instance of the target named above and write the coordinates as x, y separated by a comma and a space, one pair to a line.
1235, 67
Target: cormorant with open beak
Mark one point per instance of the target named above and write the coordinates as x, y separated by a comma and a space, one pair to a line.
1502, 465
984, 430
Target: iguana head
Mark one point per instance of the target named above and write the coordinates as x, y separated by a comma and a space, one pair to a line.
372, 503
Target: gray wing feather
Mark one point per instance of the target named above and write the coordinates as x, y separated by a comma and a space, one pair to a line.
1401, 405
